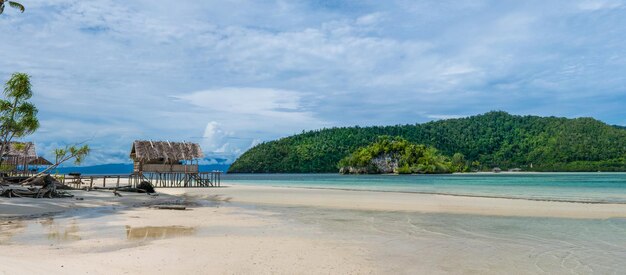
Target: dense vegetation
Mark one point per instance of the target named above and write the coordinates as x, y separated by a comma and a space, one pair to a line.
494, 139
397, 155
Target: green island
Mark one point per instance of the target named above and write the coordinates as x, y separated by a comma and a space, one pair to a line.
398, 155
494, 139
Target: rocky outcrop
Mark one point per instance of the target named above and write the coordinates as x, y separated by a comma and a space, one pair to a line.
383, 164
386, 163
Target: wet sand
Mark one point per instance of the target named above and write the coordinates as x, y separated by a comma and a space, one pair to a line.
200, 240
24, 207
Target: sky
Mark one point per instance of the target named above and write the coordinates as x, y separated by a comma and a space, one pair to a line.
232, 74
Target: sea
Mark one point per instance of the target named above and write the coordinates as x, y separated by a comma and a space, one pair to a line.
568, 187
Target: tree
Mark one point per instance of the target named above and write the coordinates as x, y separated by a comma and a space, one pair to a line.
459, 163
18, 117
12, 4
76, 152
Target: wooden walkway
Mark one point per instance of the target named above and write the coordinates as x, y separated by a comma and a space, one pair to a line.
160, 180
180, 179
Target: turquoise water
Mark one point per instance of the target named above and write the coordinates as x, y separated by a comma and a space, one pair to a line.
576, 187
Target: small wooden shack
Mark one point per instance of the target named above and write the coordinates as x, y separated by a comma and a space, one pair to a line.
23, 157
170, 164
165, 156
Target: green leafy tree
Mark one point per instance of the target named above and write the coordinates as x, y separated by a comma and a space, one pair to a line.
77, 152
411, 158
12, 4
459, 162
18, 117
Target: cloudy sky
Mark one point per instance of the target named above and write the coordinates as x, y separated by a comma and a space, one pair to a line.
230, 74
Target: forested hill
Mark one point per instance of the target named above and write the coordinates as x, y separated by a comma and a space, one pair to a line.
495, 139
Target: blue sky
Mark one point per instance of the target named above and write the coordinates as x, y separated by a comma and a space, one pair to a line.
230, 74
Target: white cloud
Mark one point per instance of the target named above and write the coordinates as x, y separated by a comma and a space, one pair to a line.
264, 109
438, 117
220, 143
594, 5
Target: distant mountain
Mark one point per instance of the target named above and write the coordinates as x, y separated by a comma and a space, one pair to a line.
494, 139
124, 168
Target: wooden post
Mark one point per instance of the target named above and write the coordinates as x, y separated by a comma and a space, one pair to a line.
117, 184
104, 181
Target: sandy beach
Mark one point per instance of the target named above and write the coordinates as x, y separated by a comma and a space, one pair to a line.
277, 230
412, 202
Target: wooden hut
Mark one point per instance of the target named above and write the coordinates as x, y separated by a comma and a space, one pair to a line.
21, 156
165, 156
170, 164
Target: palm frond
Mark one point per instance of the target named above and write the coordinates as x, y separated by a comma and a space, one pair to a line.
16, 5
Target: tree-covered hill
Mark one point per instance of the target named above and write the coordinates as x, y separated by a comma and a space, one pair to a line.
495, 139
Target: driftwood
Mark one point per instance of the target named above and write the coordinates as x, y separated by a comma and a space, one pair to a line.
170, 207
125, 188
44, 186
48, 190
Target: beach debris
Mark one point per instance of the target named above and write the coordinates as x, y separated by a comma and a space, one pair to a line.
169, 206
117, 194
49, 189
147, 186
143, 187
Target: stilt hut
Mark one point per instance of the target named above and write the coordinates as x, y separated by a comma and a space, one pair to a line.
169, 164
22, 156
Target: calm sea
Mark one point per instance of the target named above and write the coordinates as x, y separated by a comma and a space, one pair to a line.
577, 187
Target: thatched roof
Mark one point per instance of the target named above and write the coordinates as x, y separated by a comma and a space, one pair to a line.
40, 161
146, 150
21, 150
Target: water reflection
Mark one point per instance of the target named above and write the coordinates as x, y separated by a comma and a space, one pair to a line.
157, 232
60, 232
9, 229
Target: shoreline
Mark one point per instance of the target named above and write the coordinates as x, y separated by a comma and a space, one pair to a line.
324, 197
441, 193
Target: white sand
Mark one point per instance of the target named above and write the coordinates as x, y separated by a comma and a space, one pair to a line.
391, 201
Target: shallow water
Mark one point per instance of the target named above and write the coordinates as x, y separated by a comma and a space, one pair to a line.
83, 225
417, 242
579, 187
157, 232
